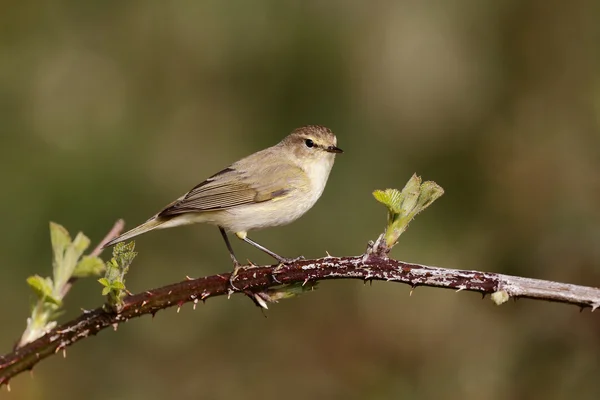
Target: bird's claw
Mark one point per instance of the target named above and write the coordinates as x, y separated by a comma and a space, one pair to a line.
284, 260
236, 269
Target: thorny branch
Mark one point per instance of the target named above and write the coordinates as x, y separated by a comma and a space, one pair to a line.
257, 281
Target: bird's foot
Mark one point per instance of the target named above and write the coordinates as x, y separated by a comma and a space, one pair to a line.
236, 269
285, 260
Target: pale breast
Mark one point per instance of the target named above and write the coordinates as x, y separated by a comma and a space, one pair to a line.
318, 174
280, 211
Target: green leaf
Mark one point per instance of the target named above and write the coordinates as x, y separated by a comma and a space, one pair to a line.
80, 243
114, 276
124, 254
43, 289
65, 268
390, 198
118, 285
67, 262
60, 239
89, 266
404, 205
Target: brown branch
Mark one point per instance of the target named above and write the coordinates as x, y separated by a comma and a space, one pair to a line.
258, 280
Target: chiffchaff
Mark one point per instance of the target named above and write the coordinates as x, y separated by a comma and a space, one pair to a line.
272, 187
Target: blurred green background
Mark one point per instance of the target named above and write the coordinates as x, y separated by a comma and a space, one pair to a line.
112, 109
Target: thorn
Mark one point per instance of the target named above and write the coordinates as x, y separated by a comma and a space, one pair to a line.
170, 291
144, 303
149, 293
8, 386
65, 352
460, 289
188, 278
260, 301
305, 281
179, 306
115, 326
153, 314
412, 289
328, 255
195, 302
229, 292
483, 294
204, 296
57, 349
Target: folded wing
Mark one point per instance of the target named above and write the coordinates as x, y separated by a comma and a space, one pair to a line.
234, 187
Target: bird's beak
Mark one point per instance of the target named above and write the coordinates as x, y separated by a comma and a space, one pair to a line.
333, 149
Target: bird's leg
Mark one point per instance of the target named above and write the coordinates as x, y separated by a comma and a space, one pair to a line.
236, 264
281, 260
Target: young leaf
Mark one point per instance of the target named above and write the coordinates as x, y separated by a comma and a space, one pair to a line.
88, 266
404, 205
390, 198
43, 288
118, 285
116, 268
60, 239
64, 271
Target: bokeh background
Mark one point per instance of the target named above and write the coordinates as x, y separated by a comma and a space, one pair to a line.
113, 109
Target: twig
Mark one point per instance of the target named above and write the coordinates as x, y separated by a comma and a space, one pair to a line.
113, 233
260, 279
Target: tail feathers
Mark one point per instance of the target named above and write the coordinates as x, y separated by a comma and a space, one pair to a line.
145, 227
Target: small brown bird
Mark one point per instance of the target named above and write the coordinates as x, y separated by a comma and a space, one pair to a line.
272, 187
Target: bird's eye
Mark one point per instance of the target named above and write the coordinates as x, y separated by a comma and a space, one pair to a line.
309, 143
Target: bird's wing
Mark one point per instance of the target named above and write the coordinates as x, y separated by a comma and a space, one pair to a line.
235, 186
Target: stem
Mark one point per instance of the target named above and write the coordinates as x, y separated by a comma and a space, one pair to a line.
256, 280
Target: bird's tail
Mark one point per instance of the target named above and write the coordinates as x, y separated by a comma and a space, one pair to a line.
147, 226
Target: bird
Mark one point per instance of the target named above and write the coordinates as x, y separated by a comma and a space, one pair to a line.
269, 188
